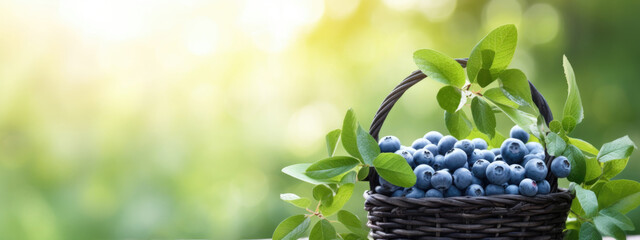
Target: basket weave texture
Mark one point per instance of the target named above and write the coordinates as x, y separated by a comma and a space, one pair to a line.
487, 217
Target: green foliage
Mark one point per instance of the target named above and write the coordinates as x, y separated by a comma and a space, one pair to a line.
332, 141
449, 98
348, 135
296, 200
323, 194
483, 116
439, 67
323, 230
367, 146
457, 123
494, 52
589, 232
515, 86
573, 105
291, 228
395, 169
331, 167
620, 148
588, 201
496, 95
555, 144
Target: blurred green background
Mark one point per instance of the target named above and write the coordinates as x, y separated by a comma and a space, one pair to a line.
172, 119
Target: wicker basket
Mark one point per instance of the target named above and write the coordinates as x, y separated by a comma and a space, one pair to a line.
489, 217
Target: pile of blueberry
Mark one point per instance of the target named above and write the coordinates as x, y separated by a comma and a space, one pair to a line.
446, 167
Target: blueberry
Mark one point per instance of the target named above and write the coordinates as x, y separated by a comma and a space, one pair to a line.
423, 173
462, 178
432, 148
455, 159
441, 180
446, 144
434, 193
495, 151
561, 167
536, 169
420, 143
512, 189
474, 190
389, 144
453, 192
497, 158
414, 192
465, 145
408, 149
407, 156
398, 193
476, 180
383, 190
498, 172
528, 187
534, 147
433, 137
387, 185
513, 150
517, 174
519, 133
475, 156
488, 155
493, 189
479, 168
438, 162
479, 143
544, 187
530, 156
423, 156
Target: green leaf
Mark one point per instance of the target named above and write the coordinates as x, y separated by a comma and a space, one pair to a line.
589, 232
367, 146
484, 77
323, 230
363, 173
572, 224
350, 177
484, 118
352, 236
621, 195
578, 164
616, 149
496, 95
573, 105
352, 222
332, 141
298, 171
450, 98
323, 194
487, 58
348, 135
342, 196
569, 123
555, 144
584, 146
515, 86
523, 119
593, 169
331, 167
457, 123
555, 126
395, 169
439, 67
608, 228
587, 200
502, 41
295, 200
614, 167
291, 228
616, 218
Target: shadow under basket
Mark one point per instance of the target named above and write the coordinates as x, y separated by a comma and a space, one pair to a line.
486, 217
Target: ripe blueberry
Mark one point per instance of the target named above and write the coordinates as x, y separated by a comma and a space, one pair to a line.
561, 167
423, 173
476, 180
408, 149
488, 155
493, 189
434, 193
389, 144
407, 156
495, 151
423, 156
474, 190
475, 156
517, 174
414, 192
432, 148
398, 193
479, 168
388, 187
479, 143
433, 137
446, 144
465, 145
498, 172
534, 147
438, 163
519, 133
513, 150
497, 158
544, 187
383, 190
462, 178
536, 169
455, 159
452, 192
530, 156
420, 143
441, 180
528, 187
512, 189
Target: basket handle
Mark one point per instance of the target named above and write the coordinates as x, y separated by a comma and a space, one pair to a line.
417, 76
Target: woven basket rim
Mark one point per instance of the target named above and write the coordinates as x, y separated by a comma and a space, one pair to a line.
562, 193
